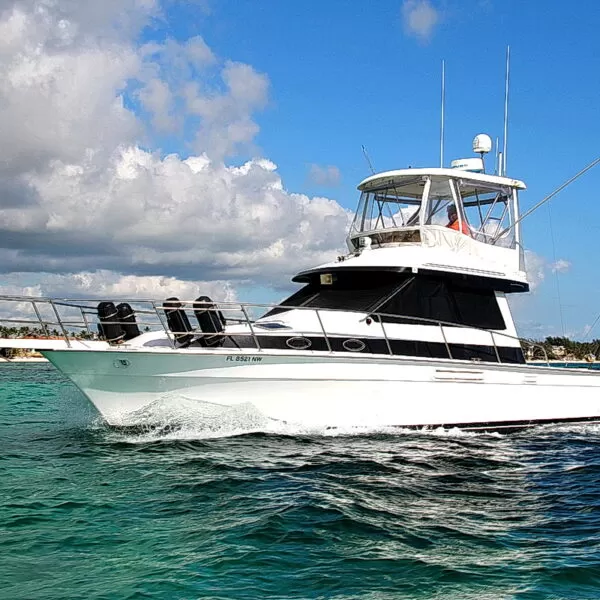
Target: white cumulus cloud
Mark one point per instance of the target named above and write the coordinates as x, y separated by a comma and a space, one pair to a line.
420, 18
86, 201
560, 266
324, 176
535, 267
109, 284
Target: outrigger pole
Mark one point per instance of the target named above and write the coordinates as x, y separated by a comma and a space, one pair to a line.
550, 196
366, 155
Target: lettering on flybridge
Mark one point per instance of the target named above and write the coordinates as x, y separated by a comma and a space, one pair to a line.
231, 358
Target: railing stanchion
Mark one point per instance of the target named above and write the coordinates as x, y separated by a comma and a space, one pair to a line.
164, 325
37, 312
546, 356
254, 336
323, 330
446, 341
86, 322
495, 347
387, 341
60, 324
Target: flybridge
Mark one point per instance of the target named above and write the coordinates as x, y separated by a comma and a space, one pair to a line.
464, 199
407, 201
457, 221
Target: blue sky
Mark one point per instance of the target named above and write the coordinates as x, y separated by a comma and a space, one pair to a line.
95, 96
345, 74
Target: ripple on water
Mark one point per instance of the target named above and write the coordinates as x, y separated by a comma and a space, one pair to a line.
185, 512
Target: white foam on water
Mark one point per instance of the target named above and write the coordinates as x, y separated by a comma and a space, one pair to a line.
574, 467
582, 428
176, 417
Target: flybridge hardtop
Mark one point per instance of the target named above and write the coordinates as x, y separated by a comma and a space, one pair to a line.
377, 179
437, 220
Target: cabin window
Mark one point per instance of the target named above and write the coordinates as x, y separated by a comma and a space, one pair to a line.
444, 300
348, 292
417, 296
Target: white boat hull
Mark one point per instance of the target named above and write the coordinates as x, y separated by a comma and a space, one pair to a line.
329, 390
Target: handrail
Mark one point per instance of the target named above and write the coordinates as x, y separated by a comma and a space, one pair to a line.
250, 327
387, 341
88, 307
170, 334
495, 347
445, 341
60, 324
39, 316
323, 330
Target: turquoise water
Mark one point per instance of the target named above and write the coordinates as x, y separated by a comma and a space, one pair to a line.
93, 513
577, 365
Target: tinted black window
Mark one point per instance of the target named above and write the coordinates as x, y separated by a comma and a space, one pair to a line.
478, 308
428, 298
359, 299
417, 296
296, 299
350, 291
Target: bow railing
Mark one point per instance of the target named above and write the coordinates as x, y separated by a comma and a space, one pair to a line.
37, 318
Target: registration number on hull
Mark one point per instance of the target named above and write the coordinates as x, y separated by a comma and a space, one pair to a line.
234, 358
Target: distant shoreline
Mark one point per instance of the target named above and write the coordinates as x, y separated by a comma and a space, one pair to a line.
562, 362
23, 359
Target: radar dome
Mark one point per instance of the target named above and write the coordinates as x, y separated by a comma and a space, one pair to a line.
482, 143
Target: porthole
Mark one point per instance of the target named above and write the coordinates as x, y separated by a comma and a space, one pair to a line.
298, 343
353, 345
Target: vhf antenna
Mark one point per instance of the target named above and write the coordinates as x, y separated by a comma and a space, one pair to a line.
504, 142
368, 160
443, 99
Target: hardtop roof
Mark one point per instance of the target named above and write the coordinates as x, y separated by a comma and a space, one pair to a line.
403, 176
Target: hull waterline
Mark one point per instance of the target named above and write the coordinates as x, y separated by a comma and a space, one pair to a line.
128, 387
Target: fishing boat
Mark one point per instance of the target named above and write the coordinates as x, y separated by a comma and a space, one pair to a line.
410, 328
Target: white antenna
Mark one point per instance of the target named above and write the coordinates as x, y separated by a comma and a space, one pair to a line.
497, 165
368, 159
442, 116
503, 164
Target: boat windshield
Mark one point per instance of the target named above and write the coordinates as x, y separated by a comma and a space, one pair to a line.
389, 206
487, 211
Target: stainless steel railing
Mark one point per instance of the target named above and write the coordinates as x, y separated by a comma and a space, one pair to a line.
47, 314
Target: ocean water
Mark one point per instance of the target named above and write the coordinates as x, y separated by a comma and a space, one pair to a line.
96, 513
595, 366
